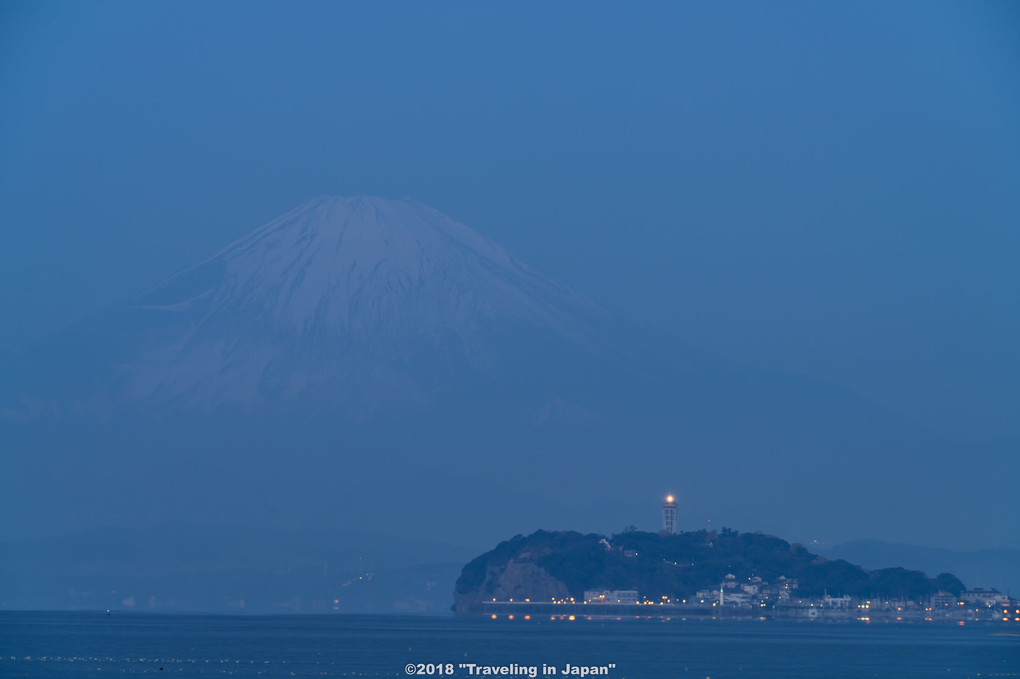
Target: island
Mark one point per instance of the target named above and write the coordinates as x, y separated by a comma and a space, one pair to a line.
721, 573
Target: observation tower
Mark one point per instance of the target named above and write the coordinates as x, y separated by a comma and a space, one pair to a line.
669, 512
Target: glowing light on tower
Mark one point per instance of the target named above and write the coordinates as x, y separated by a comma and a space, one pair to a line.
669, 512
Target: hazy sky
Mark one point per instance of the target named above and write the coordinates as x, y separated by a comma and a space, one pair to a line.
829, 188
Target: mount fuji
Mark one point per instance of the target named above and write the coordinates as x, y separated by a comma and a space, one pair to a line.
370, 363
361, 307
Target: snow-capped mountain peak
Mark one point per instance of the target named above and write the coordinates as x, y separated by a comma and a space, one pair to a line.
350, 265
357, 293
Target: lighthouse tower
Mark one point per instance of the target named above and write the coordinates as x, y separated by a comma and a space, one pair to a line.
669, 512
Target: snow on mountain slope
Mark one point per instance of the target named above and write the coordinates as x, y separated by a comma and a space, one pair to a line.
375, 300
355, 266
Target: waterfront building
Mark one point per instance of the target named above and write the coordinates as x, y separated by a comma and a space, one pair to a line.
604, 596
985, 597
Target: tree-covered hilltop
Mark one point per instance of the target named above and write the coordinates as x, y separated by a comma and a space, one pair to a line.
560, 564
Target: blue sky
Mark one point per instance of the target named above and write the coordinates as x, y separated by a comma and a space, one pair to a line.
827, 188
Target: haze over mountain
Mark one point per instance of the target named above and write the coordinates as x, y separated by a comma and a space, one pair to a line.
981, 568
337, 304
200, 568
373, 364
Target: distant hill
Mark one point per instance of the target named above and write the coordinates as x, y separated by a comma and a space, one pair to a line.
998, 568
558, 564
191, 568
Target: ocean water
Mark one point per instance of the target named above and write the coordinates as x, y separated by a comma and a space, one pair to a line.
50, 644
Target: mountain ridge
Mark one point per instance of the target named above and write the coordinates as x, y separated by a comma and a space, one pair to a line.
181, 568
982, 568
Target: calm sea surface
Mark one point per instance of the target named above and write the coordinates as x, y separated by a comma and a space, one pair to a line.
95, 644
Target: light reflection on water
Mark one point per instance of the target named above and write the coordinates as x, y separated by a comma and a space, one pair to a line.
95, 644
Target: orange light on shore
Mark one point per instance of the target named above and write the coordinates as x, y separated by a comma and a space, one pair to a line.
669, 498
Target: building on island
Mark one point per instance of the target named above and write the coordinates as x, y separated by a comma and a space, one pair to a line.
669, 514
604, 596
985, 597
